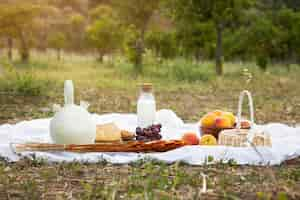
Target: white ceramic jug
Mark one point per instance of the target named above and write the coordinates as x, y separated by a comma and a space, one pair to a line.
72, 124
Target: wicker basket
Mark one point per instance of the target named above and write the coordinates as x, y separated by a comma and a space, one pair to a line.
216, 131
244, 137
212, 131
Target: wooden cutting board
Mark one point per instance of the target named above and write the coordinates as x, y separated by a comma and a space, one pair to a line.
134, 146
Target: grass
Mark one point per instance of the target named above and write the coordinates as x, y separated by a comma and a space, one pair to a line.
146, 180
190, 89
166, 75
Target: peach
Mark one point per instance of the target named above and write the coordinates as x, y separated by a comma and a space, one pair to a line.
223, 122
190, 139
230, 116
208, 120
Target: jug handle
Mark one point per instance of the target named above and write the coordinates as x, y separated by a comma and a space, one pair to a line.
84, 104
56, 108
69, 92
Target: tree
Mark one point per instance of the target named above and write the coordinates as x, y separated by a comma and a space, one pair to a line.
77, 23
263, 38
136, 15
222, 14
10, 47
162, 43
288, 21
104, 33
57, 41
275, 5
18, 21
278, 27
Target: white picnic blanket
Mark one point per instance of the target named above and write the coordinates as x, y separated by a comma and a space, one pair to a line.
285, 140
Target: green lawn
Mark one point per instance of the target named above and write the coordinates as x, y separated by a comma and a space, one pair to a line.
190, 89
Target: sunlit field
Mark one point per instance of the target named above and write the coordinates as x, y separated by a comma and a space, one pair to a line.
112, 86
199, 56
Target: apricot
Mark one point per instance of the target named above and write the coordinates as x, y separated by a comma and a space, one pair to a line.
218, 112
208, 140
208, 120
190, 139
223, 122
245, 124
230, 116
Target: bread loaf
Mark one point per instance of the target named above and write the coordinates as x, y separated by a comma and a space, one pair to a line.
108, 133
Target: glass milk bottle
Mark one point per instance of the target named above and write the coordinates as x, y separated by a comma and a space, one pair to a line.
146, 108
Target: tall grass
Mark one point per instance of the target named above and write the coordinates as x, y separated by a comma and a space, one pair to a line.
177, 70
25, 83
43, 71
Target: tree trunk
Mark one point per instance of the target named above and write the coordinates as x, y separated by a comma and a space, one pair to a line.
43, 42
197, 55
288, 66
219, 50
139, 48
139, 56
24, 55
58, 54
9, 48
24, 50
100, 57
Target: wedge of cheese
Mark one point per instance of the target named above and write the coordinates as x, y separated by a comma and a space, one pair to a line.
108, 133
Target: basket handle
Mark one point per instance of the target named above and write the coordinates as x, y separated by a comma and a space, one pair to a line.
250, 101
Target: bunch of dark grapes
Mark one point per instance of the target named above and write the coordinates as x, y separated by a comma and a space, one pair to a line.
148, 134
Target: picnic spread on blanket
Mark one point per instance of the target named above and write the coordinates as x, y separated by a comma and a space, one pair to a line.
74, 134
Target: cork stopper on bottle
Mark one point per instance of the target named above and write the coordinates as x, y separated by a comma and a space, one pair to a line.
146, 87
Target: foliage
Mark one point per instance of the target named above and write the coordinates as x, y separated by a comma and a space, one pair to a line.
77, 23
264, 39
262, 62
104, 34
162, 43
289, 23
197, 30
185, 71
23, 83
57, 41
102, 11
18, 21
130, 50
222, 14
136, 15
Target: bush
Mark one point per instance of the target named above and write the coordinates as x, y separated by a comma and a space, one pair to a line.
262, 62
131, 50
26, 84
162, 43
190, 72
